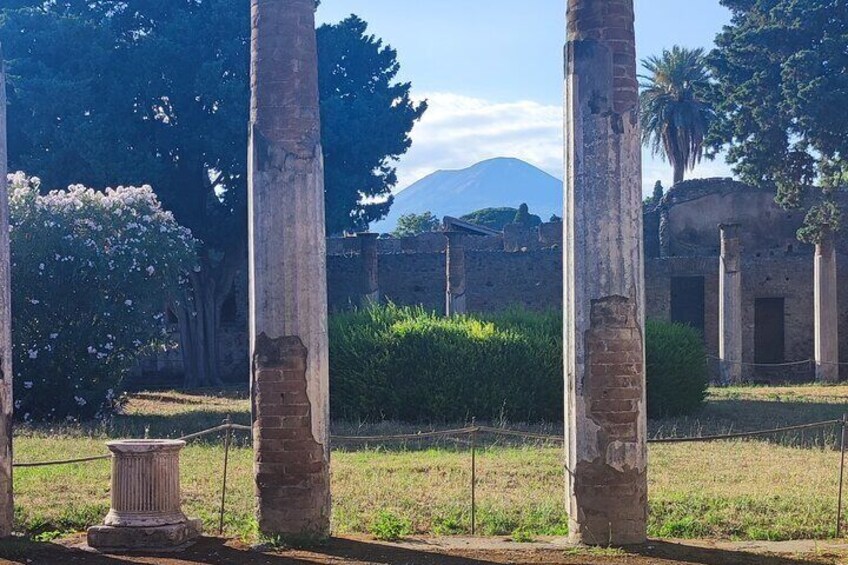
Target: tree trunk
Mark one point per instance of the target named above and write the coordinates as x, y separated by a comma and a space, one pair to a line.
199, 317
679, 171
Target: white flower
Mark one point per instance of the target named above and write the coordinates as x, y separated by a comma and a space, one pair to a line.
41, 266
151, 270
33, 353
128, 302
34, 301
80, 401
54, 336
27, 385
91, 350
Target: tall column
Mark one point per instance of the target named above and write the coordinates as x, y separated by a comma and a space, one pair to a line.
606, 452
6, 506
730, 306
288, 274
455, 262
370, 268
826, 310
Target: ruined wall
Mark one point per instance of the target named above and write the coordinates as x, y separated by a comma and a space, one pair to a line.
498, 281
524, 268
413, 278
692, 210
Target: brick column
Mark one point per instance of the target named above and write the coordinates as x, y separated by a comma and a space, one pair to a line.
288, 275
6, 503
455, 299
730, 306
370, 268
826, 310
606, 455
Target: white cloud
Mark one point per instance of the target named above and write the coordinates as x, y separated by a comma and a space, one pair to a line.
458, 131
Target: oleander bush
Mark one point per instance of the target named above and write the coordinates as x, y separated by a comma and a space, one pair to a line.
92, 273
408, 364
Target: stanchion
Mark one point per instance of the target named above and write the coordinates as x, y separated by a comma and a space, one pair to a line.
841, 475
474, 482
227, 423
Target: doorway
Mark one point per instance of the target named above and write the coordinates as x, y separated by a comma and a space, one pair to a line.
687, 302
769, 326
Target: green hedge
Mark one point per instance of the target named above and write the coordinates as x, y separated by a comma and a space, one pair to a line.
407, 364
677, 369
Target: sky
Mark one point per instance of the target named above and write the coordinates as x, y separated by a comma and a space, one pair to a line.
492, 72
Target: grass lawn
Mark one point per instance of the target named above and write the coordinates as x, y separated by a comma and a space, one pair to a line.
775, 488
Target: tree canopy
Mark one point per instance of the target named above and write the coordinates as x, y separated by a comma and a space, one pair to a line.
497, 218
781, 69
157, 92
410, 225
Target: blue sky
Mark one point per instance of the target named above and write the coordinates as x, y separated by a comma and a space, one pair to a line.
492, 71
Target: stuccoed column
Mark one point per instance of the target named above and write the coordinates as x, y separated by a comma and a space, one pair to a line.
369, 257
288, 280
6, 501
455, 303
730, 305
826, 307
606, 455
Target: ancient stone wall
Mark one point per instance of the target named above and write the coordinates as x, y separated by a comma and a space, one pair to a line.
412, 272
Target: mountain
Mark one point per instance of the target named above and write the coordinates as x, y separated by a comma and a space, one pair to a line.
488, 184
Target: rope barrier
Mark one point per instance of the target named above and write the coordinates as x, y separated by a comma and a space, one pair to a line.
742, 435
765, 365
460, 432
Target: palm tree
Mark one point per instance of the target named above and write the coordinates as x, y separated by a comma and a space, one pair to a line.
675, 114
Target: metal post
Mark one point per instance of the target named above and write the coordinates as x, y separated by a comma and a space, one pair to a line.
228, 423
474, 482
841, 475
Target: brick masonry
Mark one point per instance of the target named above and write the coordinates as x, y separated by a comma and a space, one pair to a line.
291, 486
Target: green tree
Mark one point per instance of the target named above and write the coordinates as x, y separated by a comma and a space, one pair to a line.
496, 218
676, 115
156, 92
782, 88
410, 225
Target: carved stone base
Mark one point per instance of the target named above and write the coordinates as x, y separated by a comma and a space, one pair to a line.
159, 538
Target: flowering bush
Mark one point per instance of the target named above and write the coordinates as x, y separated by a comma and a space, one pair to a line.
92, 273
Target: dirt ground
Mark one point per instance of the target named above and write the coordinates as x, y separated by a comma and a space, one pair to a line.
453, 551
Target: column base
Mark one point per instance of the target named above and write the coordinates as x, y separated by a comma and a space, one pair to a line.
115, 539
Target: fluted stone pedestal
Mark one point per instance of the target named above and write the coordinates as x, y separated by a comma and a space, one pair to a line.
145, 512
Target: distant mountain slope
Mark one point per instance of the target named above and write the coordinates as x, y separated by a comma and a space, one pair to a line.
488, 184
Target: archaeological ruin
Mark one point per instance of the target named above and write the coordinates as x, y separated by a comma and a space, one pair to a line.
717, 255
682, 237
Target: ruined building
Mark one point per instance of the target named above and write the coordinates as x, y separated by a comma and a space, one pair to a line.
523, 267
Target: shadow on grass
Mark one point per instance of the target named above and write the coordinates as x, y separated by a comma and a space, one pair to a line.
213, 551
719, 416
722, 416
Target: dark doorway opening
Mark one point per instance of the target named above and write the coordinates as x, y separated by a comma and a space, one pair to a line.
769, 326
687, 302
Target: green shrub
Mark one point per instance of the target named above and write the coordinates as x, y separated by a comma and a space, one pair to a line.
388, 527
676, 368
411, 365
407, 364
